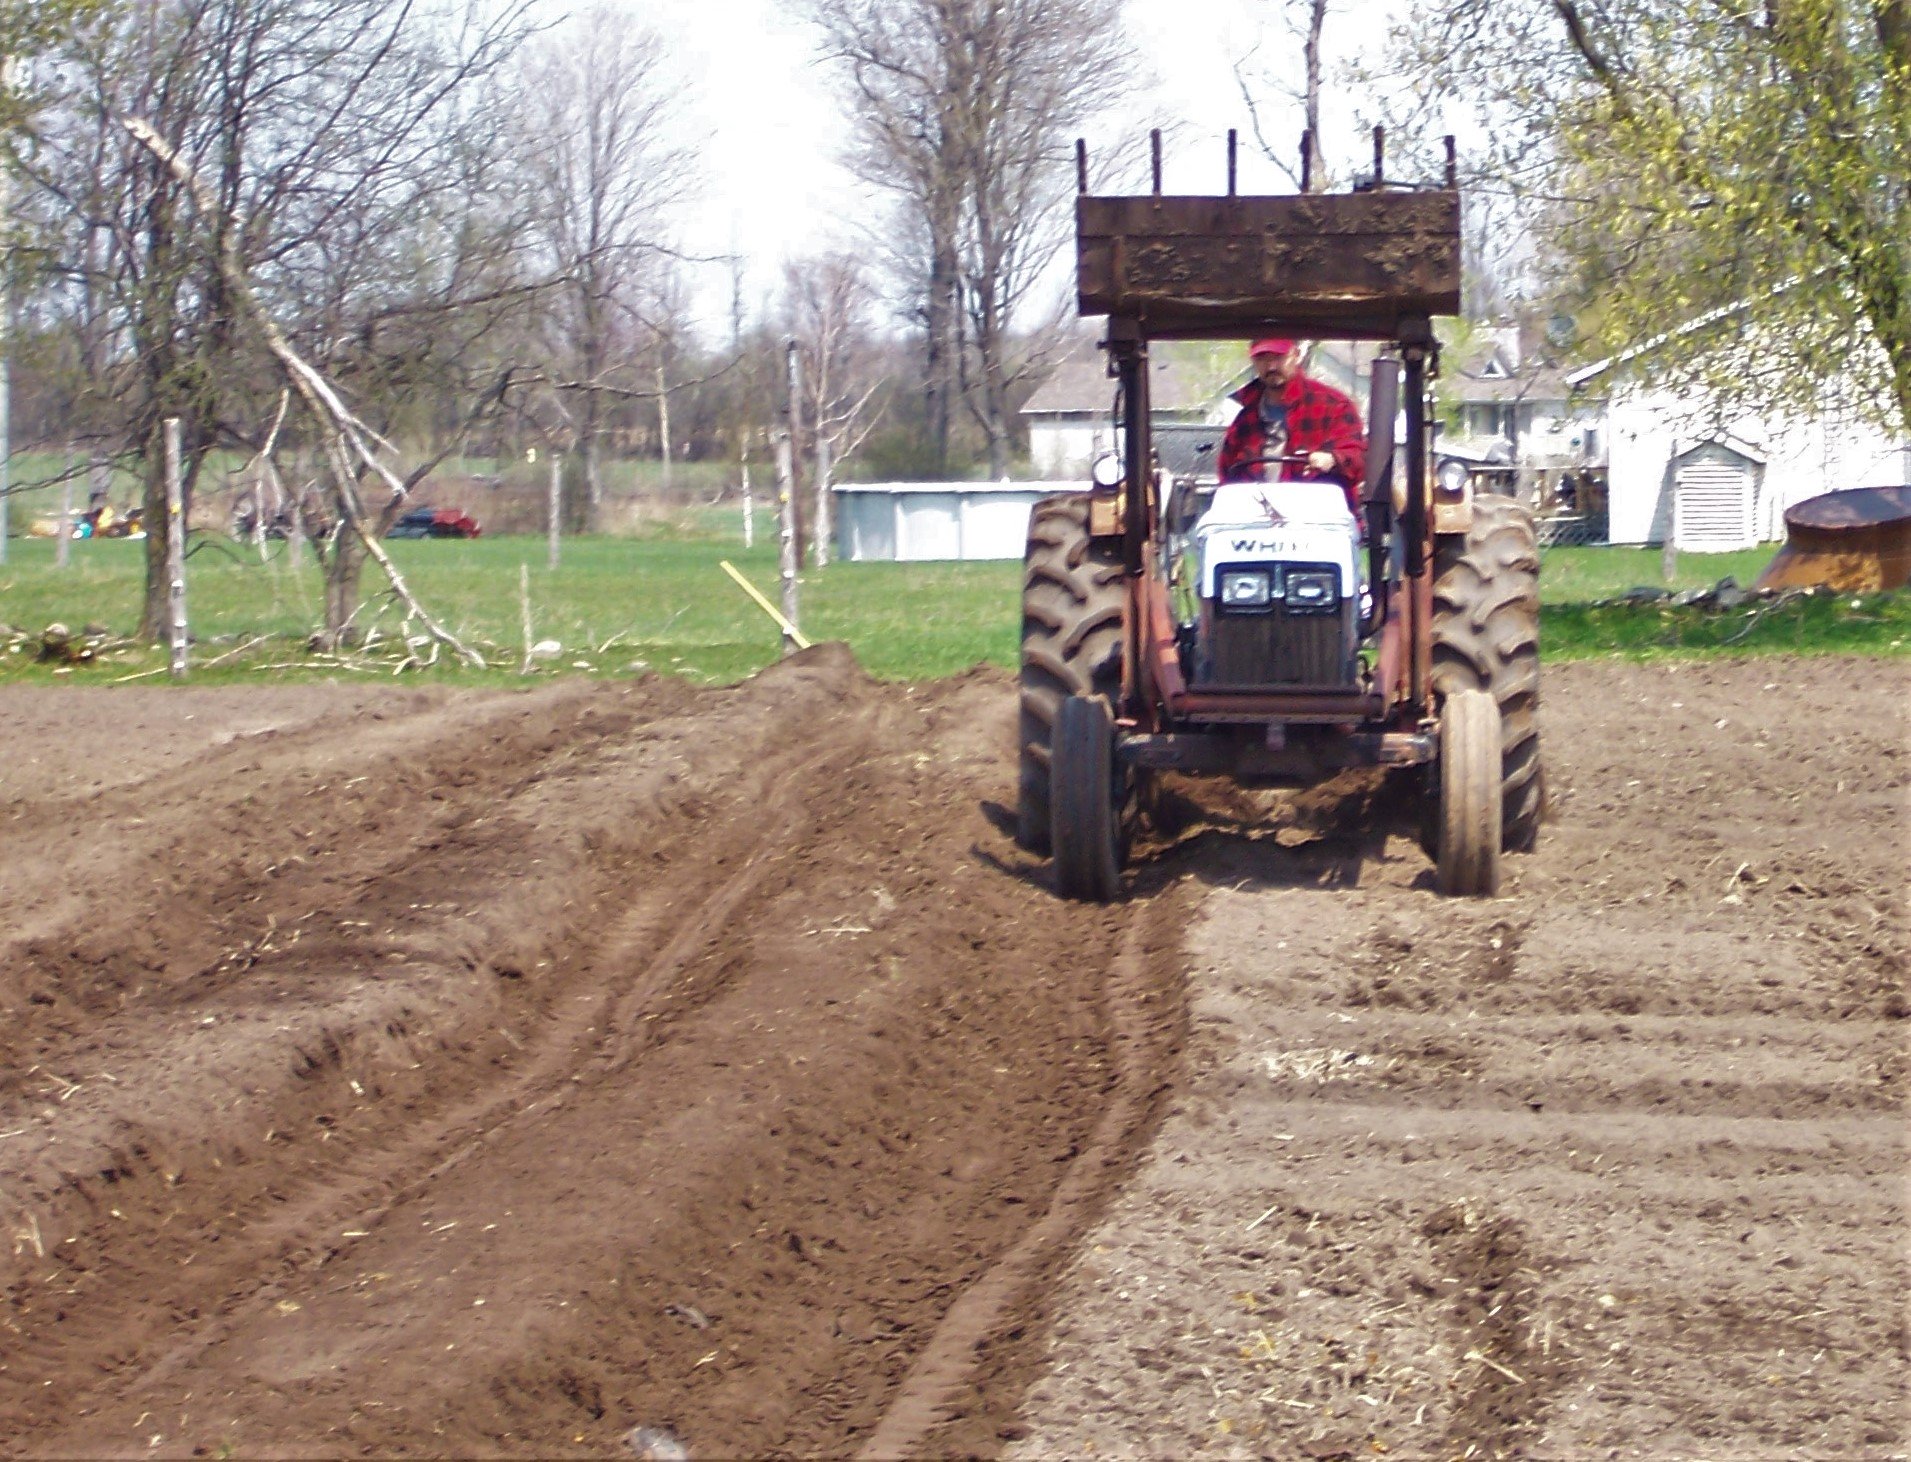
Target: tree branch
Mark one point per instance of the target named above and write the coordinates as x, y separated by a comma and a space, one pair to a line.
349, 437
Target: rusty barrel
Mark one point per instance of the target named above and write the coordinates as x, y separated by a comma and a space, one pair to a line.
1857, 540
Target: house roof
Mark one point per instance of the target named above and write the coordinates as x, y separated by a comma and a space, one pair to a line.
1080, 382
1697, 322
1727, 441
1534, 383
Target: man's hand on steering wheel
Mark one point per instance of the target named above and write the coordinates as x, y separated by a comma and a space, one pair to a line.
1313, 461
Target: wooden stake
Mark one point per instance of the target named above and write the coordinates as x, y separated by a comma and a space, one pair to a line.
553, 507
175, 546
786, 496
793, 420
524, 614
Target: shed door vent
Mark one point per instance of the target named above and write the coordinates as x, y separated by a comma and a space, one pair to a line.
1715, 489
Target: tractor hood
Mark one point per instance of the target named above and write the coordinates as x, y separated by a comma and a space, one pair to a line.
1277, 522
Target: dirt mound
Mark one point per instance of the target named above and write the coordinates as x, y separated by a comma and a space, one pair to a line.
496, 1073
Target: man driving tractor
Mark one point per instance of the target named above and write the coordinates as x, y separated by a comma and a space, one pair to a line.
1286, 413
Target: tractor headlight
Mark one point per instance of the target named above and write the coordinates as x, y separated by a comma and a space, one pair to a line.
1244, 588
1312, 589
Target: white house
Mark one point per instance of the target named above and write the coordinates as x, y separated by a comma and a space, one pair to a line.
1513, 405
1070, 417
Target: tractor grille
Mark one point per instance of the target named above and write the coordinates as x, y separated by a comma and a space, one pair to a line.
1276, 648
1302, 634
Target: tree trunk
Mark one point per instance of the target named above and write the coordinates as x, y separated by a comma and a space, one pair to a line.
939, 376
1316, 20
992, 408
590, 514
663, 427
343, 570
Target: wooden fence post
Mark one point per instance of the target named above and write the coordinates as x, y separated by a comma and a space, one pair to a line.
749, 499
793, 418
786, 493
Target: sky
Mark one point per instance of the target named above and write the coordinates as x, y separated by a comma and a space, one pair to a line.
758, 107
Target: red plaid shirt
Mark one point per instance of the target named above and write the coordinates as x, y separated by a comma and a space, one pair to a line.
1319, 419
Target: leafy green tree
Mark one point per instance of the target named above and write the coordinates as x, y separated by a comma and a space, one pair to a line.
1723, 179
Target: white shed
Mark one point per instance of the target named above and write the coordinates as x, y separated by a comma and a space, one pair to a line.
1715, 488
910, 522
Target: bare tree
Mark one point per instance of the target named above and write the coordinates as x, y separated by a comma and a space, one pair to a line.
336, 158
907, 79
1311, 173
966, 111
829, 303
1037, 69
597, 104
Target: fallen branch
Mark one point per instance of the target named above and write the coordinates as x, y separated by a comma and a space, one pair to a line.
234, 652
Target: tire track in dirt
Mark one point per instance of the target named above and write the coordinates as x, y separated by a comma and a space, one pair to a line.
1613, 1164
744, 1047
941, 1408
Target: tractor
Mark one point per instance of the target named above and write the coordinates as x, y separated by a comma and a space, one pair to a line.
1266, 631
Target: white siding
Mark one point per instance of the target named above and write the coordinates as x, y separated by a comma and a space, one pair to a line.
1064, 449
1803, 457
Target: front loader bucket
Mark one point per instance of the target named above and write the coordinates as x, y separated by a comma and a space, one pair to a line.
1858, 541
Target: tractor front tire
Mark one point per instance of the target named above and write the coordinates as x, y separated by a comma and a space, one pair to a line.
1468, 860
1086, 802
1486, 637
1074, 597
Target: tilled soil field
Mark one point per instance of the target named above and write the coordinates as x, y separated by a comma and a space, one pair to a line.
414, 1072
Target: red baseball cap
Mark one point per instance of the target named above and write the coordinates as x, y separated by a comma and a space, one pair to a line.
1274, 346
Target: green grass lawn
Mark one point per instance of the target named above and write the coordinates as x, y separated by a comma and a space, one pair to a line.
616, 605
613, 604
1581, 575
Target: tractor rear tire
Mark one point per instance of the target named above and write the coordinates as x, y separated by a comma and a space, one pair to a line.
1074, 598
1086, 802
1486, 637
1468, 860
